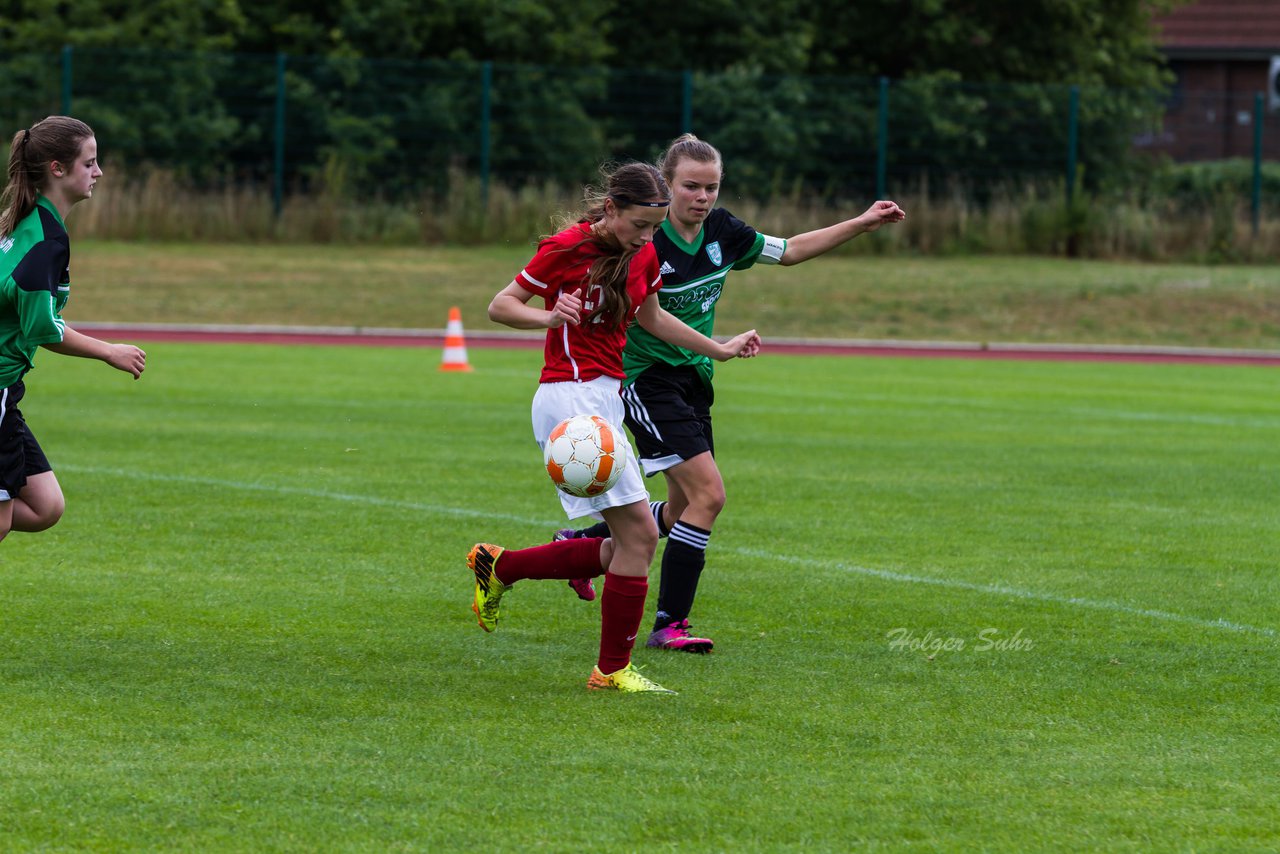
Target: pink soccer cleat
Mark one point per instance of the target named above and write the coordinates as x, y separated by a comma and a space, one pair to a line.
676, 637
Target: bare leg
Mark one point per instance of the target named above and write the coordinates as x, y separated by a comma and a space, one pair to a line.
39, 505
634, 537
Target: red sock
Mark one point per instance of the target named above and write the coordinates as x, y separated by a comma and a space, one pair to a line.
562, 559
621, 608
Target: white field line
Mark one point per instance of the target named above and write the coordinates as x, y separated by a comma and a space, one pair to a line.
1011, 592
370, 500
999, 590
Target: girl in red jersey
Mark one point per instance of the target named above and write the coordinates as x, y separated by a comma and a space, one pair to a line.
595, 277
669, 393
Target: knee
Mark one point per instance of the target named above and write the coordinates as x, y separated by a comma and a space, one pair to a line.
710, 501
643, 545
54, 511
48, 520
49, 514
648, 544
718, 501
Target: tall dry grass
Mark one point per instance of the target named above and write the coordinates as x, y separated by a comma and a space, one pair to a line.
1025, 220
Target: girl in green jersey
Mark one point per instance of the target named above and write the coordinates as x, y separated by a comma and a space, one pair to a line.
668, 390
53, 165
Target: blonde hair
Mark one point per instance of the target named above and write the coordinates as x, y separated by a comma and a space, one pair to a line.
30, 153
687, 147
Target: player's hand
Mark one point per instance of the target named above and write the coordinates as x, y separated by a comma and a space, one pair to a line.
568, 309
127, 358
880, 213
742, 346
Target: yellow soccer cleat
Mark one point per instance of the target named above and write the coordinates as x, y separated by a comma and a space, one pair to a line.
628, 680
482, 558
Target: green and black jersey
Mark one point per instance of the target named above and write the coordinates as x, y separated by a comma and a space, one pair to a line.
34, 286
693, 276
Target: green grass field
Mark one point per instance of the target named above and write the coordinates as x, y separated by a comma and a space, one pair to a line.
252, 631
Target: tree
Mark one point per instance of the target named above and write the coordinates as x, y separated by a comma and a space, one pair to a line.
982, 87
1086, 42
566, 33
164, 111
767, 36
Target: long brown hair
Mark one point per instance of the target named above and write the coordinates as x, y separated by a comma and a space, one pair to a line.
30, 153
626, 186
687, 147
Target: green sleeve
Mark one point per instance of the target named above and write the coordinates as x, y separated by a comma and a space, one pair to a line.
748, 260
36, 280
38, 317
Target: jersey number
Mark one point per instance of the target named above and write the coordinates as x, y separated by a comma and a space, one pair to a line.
591, 300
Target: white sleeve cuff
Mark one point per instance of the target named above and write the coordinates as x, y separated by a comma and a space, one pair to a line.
773, 249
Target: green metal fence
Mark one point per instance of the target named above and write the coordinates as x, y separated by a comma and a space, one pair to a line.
395, 128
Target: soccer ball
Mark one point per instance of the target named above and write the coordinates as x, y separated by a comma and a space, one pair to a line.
583, 456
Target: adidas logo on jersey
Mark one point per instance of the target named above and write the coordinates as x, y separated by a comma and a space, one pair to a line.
666, 268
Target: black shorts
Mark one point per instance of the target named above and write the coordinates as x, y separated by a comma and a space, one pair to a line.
669, 414
20, 454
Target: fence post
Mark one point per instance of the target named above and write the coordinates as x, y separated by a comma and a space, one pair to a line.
66, 80
882, 139
686, 103
486, 116
277, 190
1258, 115
1073, 141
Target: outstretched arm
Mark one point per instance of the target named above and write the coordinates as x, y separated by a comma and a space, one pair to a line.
122, 357
811, 244
671, 329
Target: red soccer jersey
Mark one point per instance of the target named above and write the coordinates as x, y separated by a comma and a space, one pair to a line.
588, 350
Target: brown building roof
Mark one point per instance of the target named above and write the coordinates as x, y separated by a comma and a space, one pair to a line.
1221, 28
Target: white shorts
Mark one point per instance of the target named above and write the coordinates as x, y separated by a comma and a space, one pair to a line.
554, 402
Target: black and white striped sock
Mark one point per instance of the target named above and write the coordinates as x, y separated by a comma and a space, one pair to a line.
656, 508
682, 563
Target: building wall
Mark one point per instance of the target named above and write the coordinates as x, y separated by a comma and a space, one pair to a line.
1211, 112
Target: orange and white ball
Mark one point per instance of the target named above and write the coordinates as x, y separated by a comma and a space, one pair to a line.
584, 456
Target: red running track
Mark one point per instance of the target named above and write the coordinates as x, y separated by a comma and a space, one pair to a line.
934, 350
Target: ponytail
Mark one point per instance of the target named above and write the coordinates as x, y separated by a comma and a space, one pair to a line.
30, 153
19, 197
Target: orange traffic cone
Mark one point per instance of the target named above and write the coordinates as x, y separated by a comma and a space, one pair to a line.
455, 348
